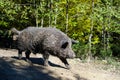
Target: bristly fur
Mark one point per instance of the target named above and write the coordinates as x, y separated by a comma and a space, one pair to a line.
44, 40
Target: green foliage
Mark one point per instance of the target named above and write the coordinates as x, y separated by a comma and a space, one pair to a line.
105, 17
81, 50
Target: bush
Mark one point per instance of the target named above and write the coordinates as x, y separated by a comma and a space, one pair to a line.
81, 50
6, 39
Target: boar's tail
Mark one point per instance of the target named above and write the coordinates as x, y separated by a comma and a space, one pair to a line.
15, 31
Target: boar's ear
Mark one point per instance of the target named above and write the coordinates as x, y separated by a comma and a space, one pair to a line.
64, 44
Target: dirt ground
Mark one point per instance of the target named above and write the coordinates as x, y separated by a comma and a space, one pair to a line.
11, 68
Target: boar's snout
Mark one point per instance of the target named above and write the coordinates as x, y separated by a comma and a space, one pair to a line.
71, 55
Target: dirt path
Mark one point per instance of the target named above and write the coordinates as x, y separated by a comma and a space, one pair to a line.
13, 69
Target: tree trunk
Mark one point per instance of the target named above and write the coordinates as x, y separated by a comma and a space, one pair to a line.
42, 12
36, 13
55, 18
66, 30
108, 26
36, 16
89, 56
50, 17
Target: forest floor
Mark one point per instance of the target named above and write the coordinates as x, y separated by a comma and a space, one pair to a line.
11, 68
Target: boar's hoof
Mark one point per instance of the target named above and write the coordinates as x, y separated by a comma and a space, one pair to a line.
29, 61
19, 58
67, 66
46, 64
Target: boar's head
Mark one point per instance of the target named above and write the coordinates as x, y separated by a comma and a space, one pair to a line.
66, 49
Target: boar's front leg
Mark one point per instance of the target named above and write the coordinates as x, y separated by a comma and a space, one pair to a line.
46, 57
65, 62
19, 54
27, 53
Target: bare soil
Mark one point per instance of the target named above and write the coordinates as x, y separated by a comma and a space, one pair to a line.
11, 68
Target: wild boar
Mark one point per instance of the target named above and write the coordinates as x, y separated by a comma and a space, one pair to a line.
47, 41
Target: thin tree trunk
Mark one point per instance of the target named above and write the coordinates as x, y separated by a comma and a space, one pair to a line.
36, 16
42, 12
36, 13
106, 34
90, 37
42, 21
103, 37
108, 25
50, 17
55, 18
49, 5
66, 16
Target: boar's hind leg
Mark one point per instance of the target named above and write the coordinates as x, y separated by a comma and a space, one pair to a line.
46, 57
19, 54
65, 62
27, 53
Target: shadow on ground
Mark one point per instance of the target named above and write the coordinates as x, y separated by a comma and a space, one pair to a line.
40, 61
9, 71
14, 69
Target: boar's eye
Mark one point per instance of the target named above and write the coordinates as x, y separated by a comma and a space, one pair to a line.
64, 45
